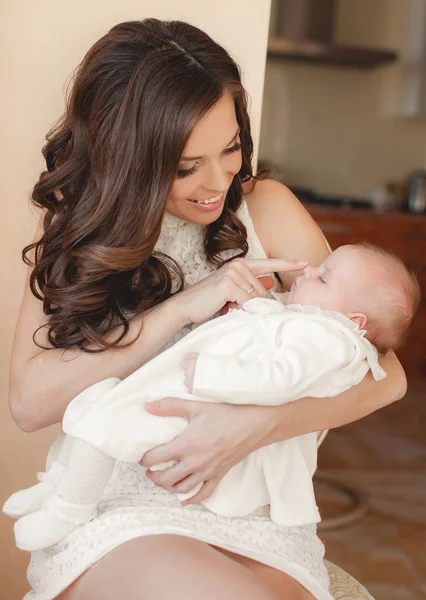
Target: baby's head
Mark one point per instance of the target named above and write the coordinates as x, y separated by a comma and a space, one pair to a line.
368, 285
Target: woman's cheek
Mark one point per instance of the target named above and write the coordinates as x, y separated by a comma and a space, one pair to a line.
183, 188
237, 163
232, 163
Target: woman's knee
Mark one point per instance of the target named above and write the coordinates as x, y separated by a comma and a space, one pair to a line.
167, 567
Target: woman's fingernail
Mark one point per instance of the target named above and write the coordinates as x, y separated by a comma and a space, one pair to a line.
302, 262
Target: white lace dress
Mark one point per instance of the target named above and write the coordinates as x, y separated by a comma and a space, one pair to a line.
132, 506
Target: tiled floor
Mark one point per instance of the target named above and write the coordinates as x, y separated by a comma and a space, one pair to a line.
384, 455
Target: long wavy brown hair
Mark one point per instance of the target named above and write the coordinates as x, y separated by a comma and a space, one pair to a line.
111, 162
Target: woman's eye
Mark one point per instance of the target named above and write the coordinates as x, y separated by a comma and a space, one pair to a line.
185, 172
234, 148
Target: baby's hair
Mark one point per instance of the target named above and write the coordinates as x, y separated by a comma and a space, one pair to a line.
395, 299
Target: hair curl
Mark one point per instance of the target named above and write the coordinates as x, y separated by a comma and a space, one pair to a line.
111, 162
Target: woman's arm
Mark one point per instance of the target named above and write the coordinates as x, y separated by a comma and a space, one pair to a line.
43, 382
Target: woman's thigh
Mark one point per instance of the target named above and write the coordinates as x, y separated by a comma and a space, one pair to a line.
170, 567
282, 584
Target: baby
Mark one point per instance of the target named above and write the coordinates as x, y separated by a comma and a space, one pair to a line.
370, 286
316, 340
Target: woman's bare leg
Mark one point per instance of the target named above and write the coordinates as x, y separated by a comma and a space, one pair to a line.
282, 584
170, 567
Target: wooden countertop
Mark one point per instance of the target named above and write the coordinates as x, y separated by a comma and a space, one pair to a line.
366, 214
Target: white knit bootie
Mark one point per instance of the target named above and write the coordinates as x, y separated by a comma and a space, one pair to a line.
52, 523
31, 499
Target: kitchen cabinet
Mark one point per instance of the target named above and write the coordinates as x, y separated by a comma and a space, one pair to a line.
413, 75
303, 31
404, 234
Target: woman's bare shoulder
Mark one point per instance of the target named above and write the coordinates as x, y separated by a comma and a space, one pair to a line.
284, 226
267, 197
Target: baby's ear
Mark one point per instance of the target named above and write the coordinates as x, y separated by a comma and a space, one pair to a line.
359, 318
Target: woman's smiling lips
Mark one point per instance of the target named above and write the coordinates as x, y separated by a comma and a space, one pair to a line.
209, 203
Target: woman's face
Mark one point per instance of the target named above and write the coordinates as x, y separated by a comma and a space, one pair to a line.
211, 159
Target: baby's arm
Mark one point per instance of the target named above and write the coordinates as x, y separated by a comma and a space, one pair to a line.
308, 351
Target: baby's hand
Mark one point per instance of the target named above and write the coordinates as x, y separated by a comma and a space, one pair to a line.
188, 365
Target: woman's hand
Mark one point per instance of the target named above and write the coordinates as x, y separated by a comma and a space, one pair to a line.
218, 437
236, 282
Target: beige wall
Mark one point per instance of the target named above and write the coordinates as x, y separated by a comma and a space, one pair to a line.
337, 130
40, 43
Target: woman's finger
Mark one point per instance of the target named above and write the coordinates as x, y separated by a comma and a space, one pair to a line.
171, 407
161, 454
189, 483
168, 478
267, 281
205, 492
249, 284
227, 307
266, 266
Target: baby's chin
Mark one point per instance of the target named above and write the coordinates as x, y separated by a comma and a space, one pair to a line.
292, 297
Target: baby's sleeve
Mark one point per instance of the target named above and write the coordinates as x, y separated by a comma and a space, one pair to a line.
306, 351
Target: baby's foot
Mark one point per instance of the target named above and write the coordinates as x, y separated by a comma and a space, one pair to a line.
51, 524
31, 499
25, 501
40, 530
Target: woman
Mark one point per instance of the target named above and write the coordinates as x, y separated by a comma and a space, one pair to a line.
149, 191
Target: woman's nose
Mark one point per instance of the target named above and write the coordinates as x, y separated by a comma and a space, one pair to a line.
216, 178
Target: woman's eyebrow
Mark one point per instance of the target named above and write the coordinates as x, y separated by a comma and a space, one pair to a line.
189, 158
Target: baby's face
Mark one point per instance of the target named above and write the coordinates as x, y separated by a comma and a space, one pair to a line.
335, 285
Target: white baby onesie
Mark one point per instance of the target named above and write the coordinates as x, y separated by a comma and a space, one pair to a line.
265, 354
